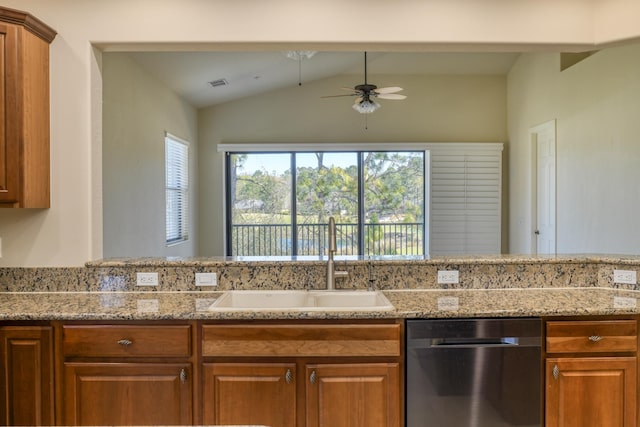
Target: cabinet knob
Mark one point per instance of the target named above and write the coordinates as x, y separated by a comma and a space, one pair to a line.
313, 377
183, 376
288, 377
556, 372
595, 338
125, 342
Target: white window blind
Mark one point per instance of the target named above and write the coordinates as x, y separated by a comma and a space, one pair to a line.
177, 189
465, 199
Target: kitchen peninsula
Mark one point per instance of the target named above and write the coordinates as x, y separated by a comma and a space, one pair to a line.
91, 331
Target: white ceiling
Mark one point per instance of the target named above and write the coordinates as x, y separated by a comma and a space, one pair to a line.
252, 73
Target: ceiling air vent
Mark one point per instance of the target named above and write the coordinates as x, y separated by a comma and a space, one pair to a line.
219, 82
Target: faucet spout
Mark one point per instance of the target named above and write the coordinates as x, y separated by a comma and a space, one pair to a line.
332, 274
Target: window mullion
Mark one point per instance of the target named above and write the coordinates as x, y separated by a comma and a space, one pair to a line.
229, 208
294, 207
361, 216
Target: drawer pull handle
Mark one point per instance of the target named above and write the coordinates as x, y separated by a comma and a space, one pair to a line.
125, 342
288, 376
595, 338
183, 376
313, 377
556, 372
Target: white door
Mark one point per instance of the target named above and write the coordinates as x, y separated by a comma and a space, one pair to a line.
544, 221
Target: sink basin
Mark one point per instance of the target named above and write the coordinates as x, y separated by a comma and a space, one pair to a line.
298, 300
351, 299
263, 299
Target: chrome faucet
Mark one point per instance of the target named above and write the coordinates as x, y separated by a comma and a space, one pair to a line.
332, 274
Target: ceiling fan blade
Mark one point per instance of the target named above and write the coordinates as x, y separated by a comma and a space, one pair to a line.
358, 100
391, 96
336, 96
390, 89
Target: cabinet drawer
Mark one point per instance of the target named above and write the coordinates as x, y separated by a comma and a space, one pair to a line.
126, 341
301, 340
592, 336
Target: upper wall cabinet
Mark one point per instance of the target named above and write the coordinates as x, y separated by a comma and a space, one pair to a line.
24, 110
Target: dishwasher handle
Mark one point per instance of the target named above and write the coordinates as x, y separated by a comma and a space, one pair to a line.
443, 343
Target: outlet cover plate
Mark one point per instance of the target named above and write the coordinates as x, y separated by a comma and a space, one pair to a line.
625, 276
147, 279
448, 276
206, 279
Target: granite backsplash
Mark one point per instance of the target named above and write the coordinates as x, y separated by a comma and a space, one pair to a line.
178, 275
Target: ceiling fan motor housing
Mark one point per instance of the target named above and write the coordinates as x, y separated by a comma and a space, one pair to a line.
366, 88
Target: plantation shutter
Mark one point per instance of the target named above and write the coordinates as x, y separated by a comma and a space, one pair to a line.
177, 189
465, 199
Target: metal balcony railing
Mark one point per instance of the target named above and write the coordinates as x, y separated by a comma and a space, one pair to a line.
277, 239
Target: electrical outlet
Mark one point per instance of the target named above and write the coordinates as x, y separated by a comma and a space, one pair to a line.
147, 279
624, 276
148, 305
448, 276
206, 279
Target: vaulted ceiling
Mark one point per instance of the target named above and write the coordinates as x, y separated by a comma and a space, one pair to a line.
253, 73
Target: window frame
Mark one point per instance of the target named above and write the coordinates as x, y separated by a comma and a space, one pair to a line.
358, 150
183, 188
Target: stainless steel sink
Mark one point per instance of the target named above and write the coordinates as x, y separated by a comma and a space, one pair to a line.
297, 300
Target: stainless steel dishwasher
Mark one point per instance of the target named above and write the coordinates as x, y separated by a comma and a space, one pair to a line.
473, 373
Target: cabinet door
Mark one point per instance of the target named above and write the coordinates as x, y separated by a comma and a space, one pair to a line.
127, 394
27, 375
353, 395
10, 151
249, 393
591, 392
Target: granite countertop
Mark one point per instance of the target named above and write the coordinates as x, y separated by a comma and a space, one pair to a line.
430, 303
488, 286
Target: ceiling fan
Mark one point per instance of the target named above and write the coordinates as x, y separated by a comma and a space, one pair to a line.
366, 93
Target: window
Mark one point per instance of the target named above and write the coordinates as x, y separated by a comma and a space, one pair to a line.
177, 189
376, 198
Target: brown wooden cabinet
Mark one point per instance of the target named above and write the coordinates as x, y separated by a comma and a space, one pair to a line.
591, 373
353, 395
250, 393
24, 110
26, 374
127, 394
317, 374
127, 374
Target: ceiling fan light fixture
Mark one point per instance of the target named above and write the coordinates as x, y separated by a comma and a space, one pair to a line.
366, 106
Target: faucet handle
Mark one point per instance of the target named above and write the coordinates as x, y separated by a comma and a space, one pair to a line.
340, 274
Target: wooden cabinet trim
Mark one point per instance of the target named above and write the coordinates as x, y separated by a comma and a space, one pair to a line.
302, 340
598, 336
28, 21
127, 341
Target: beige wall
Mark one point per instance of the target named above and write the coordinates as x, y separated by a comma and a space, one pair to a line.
437, 109
137, 111
70, 233
596, 105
